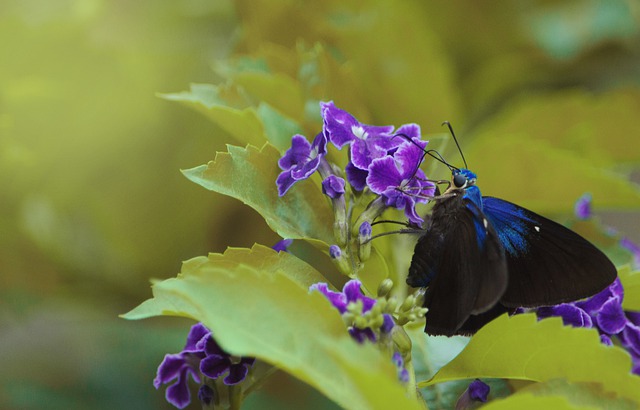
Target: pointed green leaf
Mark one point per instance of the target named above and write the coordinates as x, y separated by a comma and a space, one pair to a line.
263, 258
242, 124
249, 174
521, 347
259, 313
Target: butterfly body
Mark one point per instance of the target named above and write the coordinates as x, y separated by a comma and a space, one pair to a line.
483, 256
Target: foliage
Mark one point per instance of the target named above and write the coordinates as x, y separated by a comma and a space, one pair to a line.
271, 92
542, 95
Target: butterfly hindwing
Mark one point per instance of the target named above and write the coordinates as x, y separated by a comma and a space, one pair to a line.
548, 263
462, 277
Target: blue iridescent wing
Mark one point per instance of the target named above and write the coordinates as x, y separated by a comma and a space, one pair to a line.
548, 263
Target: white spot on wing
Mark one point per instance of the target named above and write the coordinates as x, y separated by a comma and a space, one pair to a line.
537, 228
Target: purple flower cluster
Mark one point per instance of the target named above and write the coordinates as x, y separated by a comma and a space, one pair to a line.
351, 294
381, 159
603, 312
201, 356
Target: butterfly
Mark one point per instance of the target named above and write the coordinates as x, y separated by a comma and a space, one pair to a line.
482, 256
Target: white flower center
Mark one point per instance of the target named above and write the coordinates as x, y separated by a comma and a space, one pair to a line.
359, 132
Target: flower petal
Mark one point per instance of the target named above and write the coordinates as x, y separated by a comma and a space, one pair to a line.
169, 369
215, 365
237, 373
197, 333
333, 186
409, 157
297, 154
383, 175
178, 393
357, 177
337, 299
284, 182
479, 390
611, 318
571, 315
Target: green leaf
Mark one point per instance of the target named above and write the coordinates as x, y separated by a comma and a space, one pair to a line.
577, 121
527, 401
271, 316
582, 394
242, 124
279, 128
263, 258
520, 347
249, 174
281, 91
631, 284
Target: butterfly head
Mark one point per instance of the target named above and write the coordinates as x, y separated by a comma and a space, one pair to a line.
463, 178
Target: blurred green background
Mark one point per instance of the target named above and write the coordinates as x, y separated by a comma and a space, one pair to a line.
544, 96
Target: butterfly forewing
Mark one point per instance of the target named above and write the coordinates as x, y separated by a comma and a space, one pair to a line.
548, 264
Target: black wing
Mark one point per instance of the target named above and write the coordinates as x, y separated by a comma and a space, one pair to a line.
548, 264
464, 276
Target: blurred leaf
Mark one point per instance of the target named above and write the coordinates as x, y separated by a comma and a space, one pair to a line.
242, 124
631, 284
527, 401
250, 176
520, 347
367, 35
536, 175
311, 341
579, 394
282, 92
599, 128
278, 128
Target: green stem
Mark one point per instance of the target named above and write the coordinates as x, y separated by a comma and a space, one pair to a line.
235, 397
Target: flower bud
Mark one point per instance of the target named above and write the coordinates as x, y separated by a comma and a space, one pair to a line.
364, 239
338, 258
385, 287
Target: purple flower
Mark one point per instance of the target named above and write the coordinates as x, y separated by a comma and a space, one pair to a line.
398, 361
604, 312
351, 294
333, 186
300, 161
283, 245
218, 362
478, 391
180, 366
399, 179
200, 354
368, 142
206, 394
583, 207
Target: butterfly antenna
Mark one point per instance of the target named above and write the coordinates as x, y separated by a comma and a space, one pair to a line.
432, 153
456, 141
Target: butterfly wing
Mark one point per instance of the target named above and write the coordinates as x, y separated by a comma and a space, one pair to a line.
548, 263
461, 262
